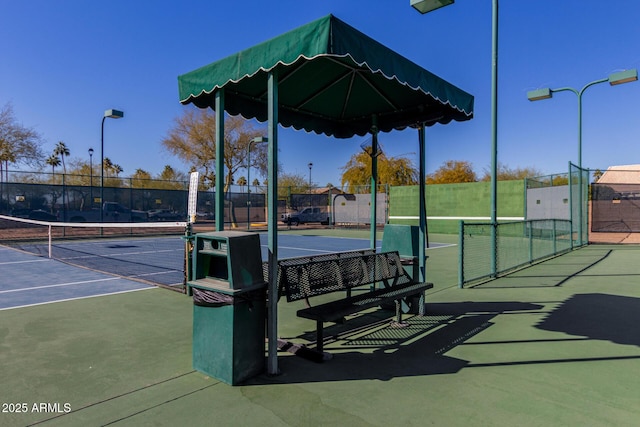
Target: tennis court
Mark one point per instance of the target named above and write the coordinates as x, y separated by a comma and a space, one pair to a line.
523, 351
107, 263
28, 280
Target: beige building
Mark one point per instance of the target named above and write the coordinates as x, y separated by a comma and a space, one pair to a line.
624, 174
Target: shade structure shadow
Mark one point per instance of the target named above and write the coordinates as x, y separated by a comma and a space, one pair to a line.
383, 352
597, 316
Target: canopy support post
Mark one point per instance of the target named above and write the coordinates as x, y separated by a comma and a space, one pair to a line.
272, 224
219, 209
422, 236
374, 179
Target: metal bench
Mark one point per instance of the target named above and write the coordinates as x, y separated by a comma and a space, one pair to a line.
305, 277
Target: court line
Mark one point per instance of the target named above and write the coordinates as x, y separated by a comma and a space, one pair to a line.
60, 285
78, 298
440, 245
443, 245
308, 250
24, 262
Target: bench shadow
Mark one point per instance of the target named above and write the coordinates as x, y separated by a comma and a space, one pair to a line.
597, 316
383, 352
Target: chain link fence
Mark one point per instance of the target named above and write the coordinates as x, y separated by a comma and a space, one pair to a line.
80, 198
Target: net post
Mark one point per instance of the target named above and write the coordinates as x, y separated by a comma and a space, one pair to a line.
49, 235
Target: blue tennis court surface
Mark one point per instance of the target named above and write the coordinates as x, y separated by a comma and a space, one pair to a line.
123, 265
28, 280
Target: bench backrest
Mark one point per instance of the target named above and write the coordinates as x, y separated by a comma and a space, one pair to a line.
317, 275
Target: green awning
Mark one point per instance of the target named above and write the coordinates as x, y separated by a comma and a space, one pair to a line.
332, 79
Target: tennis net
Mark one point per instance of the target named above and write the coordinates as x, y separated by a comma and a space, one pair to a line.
153, 253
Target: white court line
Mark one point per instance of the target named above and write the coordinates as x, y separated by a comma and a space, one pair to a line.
312, 250
60, 285
443, 245
78, 298
24, 262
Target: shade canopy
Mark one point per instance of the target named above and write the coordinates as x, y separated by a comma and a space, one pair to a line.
332, 80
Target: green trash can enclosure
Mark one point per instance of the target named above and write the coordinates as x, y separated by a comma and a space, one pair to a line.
229, 306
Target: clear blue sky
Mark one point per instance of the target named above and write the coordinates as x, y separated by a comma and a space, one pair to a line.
63, 63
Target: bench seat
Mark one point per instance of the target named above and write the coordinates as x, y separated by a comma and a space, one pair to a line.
305, 277
336, 310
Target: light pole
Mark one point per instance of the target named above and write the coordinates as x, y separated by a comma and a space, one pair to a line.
257, 140
546, 93
112, 114
613, 79
425, 6
91, 175
310, 166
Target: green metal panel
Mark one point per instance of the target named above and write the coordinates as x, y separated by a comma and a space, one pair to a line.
228, 341
402, 238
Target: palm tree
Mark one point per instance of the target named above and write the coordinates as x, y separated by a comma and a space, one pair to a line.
62, 151
107, 164
242, 181
53, 161
117, 169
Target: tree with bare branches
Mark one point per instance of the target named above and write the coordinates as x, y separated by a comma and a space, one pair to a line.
193, 139
18, 144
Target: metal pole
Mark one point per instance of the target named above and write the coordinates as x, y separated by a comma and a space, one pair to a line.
310, 166
219, 108
579, 94
272, 225
374, 181
494, 138
461, 254
91, 176
249, 185
580, 164
570, 207
422, 206
102, 171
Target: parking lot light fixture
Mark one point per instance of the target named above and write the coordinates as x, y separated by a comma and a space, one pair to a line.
623, 77
111, 114
426, 6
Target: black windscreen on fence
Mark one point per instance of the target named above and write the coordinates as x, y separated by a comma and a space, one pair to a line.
615, 208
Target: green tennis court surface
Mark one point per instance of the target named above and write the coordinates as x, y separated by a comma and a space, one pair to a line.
554, 344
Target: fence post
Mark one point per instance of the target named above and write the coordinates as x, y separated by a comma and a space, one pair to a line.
494, 249
571, 214
461, 254
529, 225
130, 198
